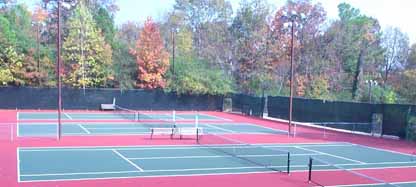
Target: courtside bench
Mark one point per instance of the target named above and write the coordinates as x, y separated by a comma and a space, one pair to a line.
178, 131
188, 131
109, 106
162, 131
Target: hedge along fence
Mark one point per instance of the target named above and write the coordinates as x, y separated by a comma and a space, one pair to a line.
46, 98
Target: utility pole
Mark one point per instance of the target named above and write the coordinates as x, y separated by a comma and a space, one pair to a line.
58, 70
291, 78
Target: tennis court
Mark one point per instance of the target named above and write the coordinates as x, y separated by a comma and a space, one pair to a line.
135, 128
116, 115
76, 163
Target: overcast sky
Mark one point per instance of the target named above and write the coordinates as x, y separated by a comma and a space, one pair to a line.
396, 13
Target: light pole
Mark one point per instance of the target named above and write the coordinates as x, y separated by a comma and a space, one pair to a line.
58, 70
371, 83
291, 18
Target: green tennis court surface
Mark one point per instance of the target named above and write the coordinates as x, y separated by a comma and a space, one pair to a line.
50, 129
112, 116
51, 164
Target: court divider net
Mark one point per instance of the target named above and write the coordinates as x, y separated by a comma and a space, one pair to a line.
324, 173
126, 113
250, 154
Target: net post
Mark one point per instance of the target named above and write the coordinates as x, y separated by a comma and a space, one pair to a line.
310, 170
197, 120
197, 135
353, 128
288, 163
174, 116
136, 116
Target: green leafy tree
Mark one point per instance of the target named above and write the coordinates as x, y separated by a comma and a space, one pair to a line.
10, 66
308, 43
407, 86
125, 67
355, 44
105, 23
411, 60
250, 32
20, 21
11, 61
207, 19
319, 88
184, 43
7, 34
193, 76
86, 55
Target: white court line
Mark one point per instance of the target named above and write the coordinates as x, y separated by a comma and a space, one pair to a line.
376, 163
178, 117
352, 160
373, 184
138, 148
216, 118
121, 128
218, 156
79, 173
102, 134
18, 164
156, 147
150, 176
83, 128
177, 175
129, 161
190, 169
133, 148
261, 126
152, 171
215, 127
385, 150
67, 115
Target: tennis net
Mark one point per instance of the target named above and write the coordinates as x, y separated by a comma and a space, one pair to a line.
324, 173
126, 113
265, 156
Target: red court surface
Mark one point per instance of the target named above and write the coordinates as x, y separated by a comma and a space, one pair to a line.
8, 161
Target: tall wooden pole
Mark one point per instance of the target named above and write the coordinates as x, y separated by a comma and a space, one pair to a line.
291, 79
58, 67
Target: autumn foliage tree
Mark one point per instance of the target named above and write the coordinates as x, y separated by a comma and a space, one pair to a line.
151, 57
